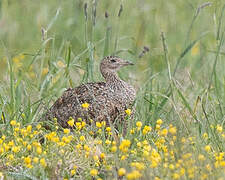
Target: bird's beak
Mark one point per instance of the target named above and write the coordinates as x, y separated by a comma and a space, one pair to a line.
125, 63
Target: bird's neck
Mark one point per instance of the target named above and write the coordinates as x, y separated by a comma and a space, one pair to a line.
112, 79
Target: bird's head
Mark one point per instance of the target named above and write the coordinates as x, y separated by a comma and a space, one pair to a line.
113, 63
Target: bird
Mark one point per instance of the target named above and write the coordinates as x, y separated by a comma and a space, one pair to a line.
105, 101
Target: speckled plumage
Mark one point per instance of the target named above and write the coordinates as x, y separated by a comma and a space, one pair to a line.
107, 100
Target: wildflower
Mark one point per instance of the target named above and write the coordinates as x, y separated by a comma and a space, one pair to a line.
138, 124
171, 166
83, 124
134, 175
1, 150
128, 112
85, 105
38, 126
114, 149
60, 64
108, 142
159, 121
164, 132
15, 149
66, 131
132, 131
82, 138
201, 157
121, 172
94, 172
72, 172
39, 150
98, 124
205, 135
157, 127
219, 128
125, 144
103, 123
29, 147
146, 130
29, 128
1, 175
108, 129
123, 157
102, 156
13, 122
35, 160
43, 162
172, 130
71, 122
27, 160
207, 148
176, 176
44, 71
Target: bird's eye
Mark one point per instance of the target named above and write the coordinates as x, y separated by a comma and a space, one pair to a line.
113, 60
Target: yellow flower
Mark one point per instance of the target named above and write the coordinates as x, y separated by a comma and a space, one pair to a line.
114, 149
15, 149
102, 156
72, 172
27, 160
201, 157
29, 128
71, 122
172, 130
1, 174
66, 131
108, 129
35, 159
139, 124
146, 130
98, 124
44, 71
93, 172
39, 150
29, 147
60, 64
121, 172
13, 122
207, 148
38, 126
205, 135
128, 112
134, 175
43, 162
132, 131
176, 176
83, 124
82, 138
219, 128
108, 142
125, 144
85, 105
164, 132
159, 121
123, 157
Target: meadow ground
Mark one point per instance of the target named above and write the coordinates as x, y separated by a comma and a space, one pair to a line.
178, 50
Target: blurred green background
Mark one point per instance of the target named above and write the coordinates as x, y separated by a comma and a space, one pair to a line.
47, 46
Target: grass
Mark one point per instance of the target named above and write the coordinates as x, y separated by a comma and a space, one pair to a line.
178, 129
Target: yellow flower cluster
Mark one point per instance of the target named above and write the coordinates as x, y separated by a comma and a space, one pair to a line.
146, 152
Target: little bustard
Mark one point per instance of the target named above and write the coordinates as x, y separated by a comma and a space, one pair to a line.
107, 100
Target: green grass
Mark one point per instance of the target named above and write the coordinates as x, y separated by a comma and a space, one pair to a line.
48, 46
